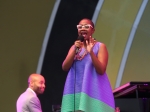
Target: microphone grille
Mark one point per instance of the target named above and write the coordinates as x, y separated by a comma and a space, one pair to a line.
81, 38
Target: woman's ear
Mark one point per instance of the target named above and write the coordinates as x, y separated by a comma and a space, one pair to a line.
93, 30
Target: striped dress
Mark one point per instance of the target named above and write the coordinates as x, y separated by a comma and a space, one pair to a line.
85, 89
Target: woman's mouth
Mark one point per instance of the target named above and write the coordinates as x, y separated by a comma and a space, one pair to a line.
83, 33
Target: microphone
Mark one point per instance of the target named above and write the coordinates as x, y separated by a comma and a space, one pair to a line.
81, 38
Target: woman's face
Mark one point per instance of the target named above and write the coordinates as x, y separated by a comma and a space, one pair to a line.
85, 29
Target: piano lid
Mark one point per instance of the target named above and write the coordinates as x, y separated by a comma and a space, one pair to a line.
133, 89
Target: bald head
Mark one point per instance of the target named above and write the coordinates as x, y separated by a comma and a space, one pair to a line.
33, 77
37, 83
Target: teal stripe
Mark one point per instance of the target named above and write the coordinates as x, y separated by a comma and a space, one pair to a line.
87, 104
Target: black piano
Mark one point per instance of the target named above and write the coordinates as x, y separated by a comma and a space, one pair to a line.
133, 97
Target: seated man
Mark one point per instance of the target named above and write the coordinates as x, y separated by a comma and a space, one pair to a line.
28, 101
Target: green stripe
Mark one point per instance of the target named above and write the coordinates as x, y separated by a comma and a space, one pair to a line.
87, 104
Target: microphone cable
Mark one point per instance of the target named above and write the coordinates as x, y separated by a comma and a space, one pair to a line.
74, 84
77, 49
